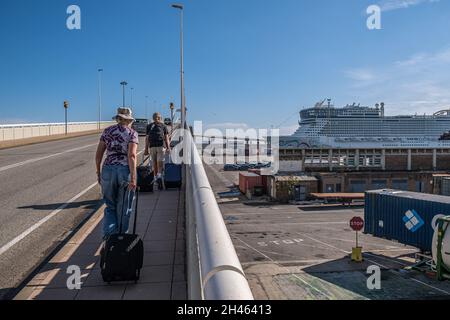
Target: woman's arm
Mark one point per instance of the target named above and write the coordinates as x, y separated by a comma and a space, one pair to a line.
132, 155
99, 157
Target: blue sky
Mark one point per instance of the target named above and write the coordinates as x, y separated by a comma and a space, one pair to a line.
248, 63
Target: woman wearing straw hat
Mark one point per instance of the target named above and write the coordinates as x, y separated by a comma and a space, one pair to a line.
120, 142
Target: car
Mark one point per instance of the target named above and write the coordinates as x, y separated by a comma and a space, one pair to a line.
140, 125
168, 121
230, 167
261, 165
244, 167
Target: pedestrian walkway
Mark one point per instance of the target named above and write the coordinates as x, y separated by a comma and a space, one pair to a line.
160, 222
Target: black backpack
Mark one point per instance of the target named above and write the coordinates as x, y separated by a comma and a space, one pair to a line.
122, 255
155, 132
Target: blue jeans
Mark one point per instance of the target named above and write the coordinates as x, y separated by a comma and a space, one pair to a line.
114, 181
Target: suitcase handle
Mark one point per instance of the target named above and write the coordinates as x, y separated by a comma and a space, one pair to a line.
136, 196
136, 210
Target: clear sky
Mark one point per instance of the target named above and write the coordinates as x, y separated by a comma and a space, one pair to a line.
248, 63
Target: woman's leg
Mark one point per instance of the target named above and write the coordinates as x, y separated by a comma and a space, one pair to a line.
109, 189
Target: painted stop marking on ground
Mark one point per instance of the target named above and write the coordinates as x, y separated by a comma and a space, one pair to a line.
357, 223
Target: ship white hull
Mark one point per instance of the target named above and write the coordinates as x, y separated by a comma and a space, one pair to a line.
361, 143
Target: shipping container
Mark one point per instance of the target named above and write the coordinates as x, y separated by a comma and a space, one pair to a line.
249, 180
263, 177
403, 216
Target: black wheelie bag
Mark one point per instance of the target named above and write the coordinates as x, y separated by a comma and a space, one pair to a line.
145, 177
122, 255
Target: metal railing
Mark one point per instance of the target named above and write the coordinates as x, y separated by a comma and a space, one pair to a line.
11, 132
214, 270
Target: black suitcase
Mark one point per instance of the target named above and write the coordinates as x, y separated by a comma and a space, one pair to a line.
172, 175
145, 177
122, 255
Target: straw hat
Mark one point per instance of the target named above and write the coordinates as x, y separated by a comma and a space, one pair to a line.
124, 113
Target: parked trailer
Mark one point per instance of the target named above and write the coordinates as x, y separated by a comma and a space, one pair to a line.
407, 217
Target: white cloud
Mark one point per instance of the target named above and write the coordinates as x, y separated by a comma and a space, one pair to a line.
417, 84
288, 130
390, 5
360, 74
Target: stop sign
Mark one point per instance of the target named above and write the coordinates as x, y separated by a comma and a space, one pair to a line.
357, 223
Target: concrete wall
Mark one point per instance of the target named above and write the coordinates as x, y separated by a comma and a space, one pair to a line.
17, 132
416, 181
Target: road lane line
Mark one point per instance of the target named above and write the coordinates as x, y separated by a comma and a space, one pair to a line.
285, 268
24, 234
413, 279
323, 243
15, 165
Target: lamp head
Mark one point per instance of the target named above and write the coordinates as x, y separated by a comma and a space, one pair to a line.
178, 6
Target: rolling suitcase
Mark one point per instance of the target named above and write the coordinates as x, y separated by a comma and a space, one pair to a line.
145, 177
172, 175
122, 255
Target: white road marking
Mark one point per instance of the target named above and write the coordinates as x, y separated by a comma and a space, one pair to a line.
384, 258
285, 268
24, 234
398, 273
15, 165
324, 243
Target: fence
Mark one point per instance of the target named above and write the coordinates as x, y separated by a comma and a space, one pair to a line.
13, 132
214, 270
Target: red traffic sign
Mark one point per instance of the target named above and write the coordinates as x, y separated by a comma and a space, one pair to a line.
357, 223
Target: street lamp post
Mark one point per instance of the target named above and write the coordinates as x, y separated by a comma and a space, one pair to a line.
146, 107
183, 106
99, 98
123, 84
66, 106
131, 104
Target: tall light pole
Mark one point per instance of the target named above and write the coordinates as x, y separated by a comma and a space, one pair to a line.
99, 98
146, 107
183, 106
131, 104
123, 84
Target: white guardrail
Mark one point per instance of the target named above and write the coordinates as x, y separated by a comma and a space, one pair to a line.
214, 270
11, 132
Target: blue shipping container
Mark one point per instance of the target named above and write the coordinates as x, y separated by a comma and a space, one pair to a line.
403, 216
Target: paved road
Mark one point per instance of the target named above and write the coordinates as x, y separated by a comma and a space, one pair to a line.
36, 182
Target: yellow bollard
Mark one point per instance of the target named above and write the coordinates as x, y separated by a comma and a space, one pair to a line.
357, 254
357, 251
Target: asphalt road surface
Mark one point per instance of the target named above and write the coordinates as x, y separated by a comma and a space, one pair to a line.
46, 190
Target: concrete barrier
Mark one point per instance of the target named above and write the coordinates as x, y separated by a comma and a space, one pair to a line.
214, 270
12, 132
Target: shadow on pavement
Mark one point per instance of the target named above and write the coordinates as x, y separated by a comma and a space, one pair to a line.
343, 279
88, 204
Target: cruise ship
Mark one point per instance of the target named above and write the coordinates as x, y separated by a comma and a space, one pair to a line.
356, 126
